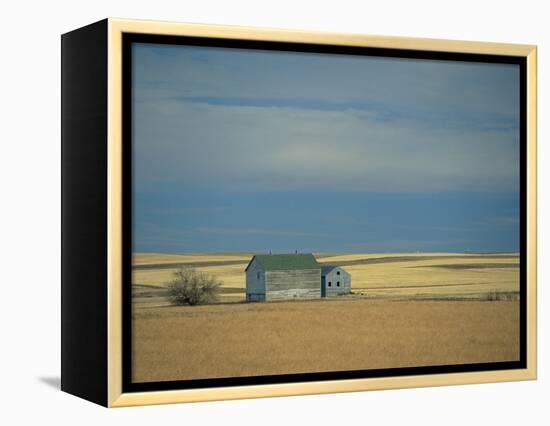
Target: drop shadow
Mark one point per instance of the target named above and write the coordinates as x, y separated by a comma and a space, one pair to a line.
53, 382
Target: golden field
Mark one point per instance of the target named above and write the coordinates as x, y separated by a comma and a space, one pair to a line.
247, 339
406, 310
384, 275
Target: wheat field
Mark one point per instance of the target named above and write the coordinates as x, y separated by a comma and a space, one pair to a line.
233, 340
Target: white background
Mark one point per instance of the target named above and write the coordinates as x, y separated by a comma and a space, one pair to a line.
30, 211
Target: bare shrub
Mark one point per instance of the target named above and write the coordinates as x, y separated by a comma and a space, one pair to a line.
494, 296
192, 287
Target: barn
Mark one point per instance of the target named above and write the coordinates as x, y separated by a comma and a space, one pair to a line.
335, 281
293, 276
282, 276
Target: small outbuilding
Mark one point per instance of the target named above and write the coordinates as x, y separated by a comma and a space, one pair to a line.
335, 281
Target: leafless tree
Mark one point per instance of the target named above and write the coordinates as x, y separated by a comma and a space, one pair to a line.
192, 287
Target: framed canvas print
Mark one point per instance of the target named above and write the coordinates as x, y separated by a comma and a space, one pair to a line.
254, 212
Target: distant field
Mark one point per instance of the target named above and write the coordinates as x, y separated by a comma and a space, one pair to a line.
244, 339
388, 276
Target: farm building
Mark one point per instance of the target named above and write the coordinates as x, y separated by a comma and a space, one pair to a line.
334, 281
292, 276
282, 276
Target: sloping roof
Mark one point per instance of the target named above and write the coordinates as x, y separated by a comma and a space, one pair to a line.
325, 269
286, 262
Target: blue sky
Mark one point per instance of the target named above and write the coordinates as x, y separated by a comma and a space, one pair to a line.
248, 150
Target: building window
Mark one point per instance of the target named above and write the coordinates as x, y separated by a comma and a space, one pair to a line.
330, 283
257, 275
337, 283
337, 272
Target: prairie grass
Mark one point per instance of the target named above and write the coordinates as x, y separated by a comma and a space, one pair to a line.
230, 340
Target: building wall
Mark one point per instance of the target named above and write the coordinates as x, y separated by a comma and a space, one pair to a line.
255, 282
345, 282
296, 284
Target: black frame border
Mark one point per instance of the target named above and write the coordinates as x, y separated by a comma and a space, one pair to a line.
130, 38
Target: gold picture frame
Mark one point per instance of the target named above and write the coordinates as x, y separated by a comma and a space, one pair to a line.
111, 32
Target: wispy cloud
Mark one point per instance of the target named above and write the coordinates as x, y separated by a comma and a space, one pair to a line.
441, 118
258, 120
312, 104
261, 149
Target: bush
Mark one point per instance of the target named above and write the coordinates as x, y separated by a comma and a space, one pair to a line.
191, 287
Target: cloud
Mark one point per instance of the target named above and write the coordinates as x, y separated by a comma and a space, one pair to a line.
253, 120
281, 148
374, 111
422, 85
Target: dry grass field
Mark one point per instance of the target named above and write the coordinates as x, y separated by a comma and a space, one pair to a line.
400, 275
231, 340
405, 310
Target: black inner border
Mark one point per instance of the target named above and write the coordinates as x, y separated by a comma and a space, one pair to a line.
129, 38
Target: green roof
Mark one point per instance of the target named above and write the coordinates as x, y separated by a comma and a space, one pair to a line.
286, 262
